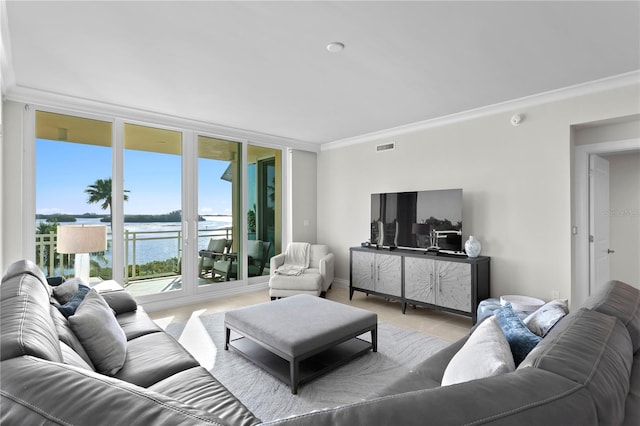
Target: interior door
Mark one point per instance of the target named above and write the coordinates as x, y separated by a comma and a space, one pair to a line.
599, 222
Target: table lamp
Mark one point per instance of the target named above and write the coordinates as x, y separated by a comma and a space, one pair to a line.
81, 240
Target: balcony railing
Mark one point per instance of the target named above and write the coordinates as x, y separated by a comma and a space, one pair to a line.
156, 245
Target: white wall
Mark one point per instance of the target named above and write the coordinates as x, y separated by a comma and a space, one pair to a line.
625, 217
516, 183
303, 196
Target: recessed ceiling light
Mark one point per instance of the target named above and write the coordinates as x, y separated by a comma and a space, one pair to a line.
335, 47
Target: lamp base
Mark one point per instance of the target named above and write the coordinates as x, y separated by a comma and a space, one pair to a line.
81, 267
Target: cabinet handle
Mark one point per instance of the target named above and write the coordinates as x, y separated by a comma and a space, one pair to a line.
378, 276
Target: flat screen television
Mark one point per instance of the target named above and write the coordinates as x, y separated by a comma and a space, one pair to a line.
418, 219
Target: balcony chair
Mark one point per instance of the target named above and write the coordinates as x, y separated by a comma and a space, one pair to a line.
302, 269
257, 256
215, 251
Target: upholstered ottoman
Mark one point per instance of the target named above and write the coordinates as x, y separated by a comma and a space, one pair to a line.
301, 337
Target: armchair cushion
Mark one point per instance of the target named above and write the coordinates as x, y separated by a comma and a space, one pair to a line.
313, 279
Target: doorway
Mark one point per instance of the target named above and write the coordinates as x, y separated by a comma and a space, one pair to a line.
590, 217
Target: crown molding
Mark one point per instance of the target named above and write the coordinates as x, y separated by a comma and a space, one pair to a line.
49, 99
608, 83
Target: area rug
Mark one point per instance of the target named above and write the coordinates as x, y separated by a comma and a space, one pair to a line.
399, 350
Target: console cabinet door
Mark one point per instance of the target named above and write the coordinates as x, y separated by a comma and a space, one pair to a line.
454, 285
388, 272
363, 270
419, 280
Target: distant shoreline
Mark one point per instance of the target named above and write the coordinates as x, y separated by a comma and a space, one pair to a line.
129, 218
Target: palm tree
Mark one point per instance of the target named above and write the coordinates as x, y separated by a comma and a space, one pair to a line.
100, 192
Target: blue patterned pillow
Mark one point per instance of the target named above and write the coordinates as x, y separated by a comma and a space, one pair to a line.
70, 307
520, 338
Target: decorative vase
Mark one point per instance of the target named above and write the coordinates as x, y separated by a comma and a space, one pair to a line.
472, 247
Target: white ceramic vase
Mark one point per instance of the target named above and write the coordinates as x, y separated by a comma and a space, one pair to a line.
472, 247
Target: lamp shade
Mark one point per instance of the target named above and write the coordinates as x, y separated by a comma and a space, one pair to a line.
420, 228
81, 238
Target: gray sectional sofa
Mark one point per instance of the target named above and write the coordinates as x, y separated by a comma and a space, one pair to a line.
586, 371
47, 376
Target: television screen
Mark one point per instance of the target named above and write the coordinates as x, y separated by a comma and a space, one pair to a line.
420, 219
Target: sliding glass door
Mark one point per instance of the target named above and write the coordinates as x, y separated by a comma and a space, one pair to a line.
152, 209
148, 184
264, 212
219, 220
72, 187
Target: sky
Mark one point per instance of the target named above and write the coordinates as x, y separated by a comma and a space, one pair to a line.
65, 169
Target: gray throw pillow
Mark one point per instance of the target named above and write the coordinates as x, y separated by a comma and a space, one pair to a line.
542, 320
65, 291
99, 333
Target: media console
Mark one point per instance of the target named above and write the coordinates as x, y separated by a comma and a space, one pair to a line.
448, 283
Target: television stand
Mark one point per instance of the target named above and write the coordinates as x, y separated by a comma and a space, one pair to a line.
447, 282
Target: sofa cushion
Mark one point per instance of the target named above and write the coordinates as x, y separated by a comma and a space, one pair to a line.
200, 389
137, 323
100, 334
520, 338
594, 350
154, 357
71, 357
68, 337
22, 267
621, 301
27, 327
488, 340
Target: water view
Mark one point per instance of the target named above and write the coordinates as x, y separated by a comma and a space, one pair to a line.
158, 241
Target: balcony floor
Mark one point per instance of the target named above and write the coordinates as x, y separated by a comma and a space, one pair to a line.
147, 286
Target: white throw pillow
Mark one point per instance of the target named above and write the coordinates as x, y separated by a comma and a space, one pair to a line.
99, 333
486, 353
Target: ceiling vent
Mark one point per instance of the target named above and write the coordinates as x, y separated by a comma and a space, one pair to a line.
386, 147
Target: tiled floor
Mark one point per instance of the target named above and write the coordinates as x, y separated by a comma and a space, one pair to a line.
434, 323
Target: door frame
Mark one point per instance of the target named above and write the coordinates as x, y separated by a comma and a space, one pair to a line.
580, 285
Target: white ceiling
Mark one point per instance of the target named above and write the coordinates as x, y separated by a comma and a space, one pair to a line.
263, 67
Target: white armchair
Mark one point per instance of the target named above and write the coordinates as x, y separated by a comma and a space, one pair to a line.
315, 279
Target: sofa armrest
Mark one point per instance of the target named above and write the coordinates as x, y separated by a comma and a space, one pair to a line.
117, 298
120, 301
276, 262
36, 391
531, 397
327, 270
